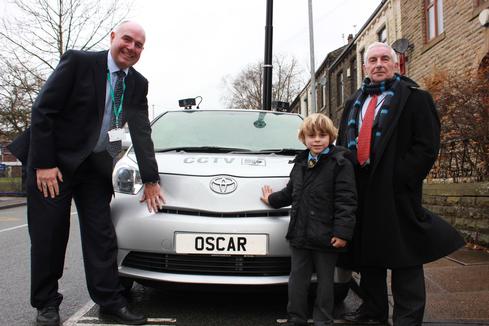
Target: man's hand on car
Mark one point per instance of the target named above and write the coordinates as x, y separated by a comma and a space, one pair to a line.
153, 196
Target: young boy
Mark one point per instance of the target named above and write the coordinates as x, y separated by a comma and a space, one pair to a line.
322, 193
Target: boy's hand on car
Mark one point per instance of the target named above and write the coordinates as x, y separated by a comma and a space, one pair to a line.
266, 191
337, 242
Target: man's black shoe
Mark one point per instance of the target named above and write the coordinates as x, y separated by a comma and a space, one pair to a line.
48, 316
122, 316
362, 317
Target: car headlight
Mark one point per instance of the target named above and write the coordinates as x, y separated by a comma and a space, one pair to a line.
127, 180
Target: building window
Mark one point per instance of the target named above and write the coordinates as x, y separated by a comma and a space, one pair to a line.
362, 62
319, 96
324, 95
340, 88
434, 18
353, 80
382, 34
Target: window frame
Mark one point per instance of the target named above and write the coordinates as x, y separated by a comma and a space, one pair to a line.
380, 31
361, 54
353, 75
340, 87
437, 20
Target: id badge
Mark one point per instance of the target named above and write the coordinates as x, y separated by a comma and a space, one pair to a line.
116, 134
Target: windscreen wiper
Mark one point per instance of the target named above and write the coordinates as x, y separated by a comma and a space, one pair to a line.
201, 149
281, 151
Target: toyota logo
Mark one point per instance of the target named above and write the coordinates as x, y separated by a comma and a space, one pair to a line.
223, 185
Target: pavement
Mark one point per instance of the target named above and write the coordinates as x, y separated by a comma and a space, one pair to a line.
457, 289
457, 286
9, 202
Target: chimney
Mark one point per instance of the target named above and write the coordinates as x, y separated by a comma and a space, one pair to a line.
350, 38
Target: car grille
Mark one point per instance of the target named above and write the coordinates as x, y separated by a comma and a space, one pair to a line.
218, 214
208, 265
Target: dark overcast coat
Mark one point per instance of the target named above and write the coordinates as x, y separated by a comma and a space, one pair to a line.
393, 229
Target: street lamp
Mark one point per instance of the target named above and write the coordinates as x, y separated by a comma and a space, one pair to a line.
313, 66
267, 62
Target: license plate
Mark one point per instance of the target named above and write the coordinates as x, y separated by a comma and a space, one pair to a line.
221, 244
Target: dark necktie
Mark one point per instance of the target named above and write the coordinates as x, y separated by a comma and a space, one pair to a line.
311, 163
365, 135
115, 147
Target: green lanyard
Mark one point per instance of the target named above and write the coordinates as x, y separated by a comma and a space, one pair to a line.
118, 110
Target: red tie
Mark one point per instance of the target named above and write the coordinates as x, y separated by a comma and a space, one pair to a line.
365, 135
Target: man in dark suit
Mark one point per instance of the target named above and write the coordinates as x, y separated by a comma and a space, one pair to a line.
75, 136
393, 129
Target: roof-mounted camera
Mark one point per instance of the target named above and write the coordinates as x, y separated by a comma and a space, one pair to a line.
281, 106
187, 103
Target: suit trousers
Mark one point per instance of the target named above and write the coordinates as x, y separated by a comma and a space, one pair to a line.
408, 292
304, 261
49, 223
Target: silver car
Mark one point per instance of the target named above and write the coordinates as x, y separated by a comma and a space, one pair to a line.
214, 229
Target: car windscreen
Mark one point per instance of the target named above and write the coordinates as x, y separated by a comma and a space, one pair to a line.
226, 131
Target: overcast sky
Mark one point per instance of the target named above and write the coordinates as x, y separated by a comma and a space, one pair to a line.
192, 45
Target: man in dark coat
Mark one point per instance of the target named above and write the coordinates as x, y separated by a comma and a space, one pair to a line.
75, 136
394, 152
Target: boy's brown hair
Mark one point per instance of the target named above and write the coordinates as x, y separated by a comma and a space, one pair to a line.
317, 123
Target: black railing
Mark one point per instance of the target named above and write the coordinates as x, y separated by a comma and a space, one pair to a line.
461, 160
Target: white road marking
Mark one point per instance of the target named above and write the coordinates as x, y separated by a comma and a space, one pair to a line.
310, 321
90, 321
162, 320
283, 321
98, 324
24, 225
72, 321
79, 319
13, 228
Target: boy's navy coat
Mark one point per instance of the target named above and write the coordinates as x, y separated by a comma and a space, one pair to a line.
323, 200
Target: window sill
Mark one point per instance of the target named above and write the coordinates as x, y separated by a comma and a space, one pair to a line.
434, 41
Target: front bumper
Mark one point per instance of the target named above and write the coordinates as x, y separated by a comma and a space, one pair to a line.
147, 247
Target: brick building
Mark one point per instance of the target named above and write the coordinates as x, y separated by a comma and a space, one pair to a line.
444, 36
301, 103
342, 76
384, 25
5, 155
441, 36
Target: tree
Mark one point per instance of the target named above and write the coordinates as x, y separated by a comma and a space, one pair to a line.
34, 39
246, 89
17, 88
463, 103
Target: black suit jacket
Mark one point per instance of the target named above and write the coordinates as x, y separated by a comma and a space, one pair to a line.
67, 116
